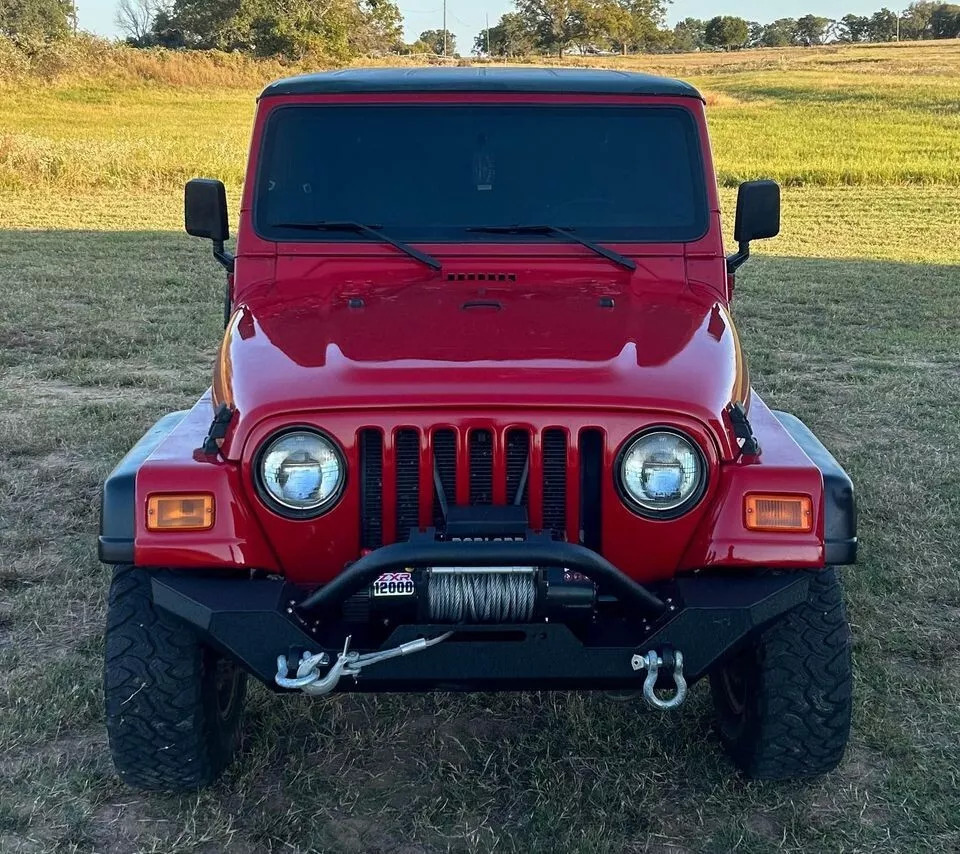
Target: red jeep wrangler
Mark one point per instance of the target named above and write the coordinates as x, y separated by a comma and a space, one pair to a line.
480, 420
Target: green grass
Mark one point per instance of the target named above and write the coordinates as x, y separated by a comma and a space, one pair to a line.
110, 317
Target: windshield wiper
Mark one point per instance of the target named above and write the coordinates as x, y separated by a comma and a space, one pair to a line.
609, 254
360, 228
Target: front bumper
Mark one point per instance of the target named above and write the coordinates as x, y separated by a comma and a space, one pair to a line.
253, 620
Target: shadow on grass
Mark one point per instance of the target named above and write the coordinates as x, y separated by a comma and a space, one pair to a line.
103, 332
860, 98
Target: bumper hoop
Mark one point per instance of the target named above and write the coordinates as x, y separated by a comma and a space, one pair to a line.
652, 662
536, 549
309, 681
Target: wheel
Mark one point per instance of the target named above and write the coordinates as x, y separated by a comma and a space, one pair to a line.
783, 702
173, 705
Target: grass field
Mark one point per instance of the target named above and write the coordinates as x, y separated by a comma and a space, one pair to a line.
851, 318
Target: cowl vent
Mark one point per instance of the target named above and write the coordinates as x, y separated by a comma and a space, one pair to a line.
481, 277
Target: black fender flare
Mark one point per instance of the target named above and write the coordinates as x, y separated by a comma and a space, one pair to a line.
839, 502
118, 507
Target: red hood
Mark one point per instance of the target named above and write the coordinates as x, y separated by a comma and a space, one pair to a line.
665, 347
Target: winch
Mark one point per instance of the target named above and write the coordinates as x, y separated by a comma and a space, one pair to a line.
476, 594
490, 594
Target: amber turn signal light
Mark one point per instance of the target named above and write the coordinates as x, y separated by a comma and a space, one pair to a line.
778, 513
179, 512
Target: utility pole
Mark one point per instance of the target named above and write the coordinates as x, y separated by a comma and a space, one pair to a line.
898, 26
488, 34
444, 27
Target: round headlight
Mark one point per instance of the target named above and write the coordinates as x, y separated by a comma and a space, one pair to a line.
301, 473
662, 473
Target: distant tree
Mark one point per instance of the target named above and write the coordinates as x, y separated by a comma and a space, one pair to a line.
779, 33
812, 30
380, 27
134, 18
853, 28
626, 24
36, 19
511, 37
296, 29
915, 20
555, 23
205, 23
688, 35
883, 26
945, 21
755, 33
433, 40
727, 32
165, 32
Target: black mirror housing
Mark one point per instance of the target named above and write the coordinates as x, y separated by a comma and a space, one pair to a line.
758, 217
205, 209
758, 211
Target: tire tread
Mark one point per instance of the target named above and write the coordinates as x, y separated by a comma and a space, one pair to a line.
163, 734
798, 716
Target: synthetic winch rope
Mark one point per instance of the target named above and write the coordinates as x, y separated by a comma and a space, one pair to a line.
481, 598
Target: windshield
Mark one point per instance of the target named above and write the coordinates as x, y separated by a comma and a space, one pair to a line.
423, 172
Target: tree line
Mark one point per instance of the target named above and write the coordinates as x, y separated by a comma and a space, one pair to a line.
921, 20
341, 29
628, 26
293, 29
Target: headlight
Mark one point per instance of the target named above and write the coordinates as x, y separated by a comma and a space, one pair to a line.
661, 473
301, 473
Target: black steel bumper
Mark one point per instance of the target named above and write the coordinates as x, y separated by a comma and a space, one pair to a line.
253, 620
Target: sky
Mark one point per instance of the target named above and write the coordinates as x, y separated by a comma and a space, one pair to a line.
465, 18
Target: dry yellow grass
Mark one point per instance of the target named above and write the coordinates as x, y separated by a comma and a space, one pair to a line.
110, 117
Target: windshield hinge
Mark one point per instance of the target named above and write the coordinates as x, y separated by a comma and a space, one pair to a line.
218, 429
749, 446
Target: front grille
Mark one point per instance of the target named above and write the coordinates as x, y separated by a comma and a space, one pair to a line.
371, 489
481, 467
408, 482
444, 447
554, 479
518, 466
486, 466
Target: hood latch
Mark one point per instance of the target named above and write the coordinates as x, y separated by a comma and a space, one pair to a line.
749, 446
218, 429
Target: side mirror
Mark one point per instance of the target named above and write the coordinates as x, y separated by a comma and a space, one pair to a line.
205, 209
758, 217
205, 215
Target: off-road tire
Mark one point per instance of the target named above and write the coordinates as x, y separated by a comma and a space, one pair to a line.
783, 702
173, 705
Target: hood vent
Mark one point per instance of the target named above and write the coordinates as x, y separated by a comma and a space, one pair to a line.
481, 277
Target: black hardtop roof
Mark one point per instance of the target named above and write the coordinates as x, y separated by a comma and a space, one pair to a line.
595, 81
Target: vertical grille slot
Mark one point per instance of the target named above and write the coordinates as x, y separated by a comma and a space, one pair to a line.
445, 465
371, 489
407, 443
481, 467
591, 487
518, 452
554, 480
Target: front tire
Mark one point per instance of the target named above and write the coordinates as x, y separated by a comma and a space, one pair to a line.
173, 705
784, 701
